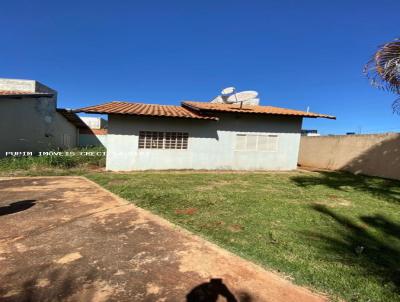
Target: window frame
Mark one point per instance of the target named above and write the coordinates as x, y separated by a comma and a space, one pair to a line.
163, 140
256, 149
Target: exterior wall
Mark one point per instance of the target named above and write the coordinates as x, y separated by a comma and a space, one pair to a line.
92, 137
211, 144
24, 85
375, 155
94, 122
61, 128
32, 125
86, 140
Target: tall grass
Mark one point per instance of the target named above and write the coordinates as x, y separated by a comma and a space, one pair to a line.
63, 161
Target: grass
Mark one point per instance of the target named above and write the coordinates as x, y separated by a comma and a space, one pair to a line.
335, 232
74, 161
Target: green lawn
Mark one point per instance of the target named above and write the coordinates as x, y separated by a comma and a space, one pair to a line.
333, 232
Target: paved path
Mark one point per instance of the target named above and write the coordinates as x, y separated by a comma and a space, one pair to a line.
67, 239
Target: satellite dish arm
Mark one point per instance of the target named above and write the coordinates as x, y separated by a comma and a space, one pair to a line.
241, 103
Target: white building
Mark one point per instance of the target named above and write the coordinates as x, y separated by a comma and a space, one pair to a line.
94, 122
198, 135
310, 132
96, 134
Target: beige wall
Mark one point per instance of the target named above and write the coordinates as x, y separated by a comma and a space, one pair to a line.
375, 154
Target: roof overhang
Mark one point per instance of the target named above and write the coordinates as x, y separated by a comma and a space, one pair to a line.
72, 118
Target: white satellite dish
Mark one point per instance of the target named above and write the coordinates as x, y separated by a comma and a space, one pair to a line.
242, 96
228, 96
252, 102
228, 90
218, 100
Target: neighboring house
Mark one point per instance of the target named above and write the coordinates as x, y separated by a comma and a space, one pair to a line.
310, 132
198, 135
96, 134
94, 122
30, 120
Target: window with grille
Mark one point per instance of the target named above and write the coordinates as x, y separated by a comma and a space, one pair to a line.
163, 140
257, 142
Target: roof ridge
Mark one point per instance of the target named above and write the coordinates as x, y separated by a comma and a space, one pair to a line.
192, 109
143, 109
139, 103
253, 109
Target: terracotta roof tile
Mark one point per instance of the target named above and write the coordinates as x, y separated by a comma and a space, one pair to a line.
144, 110
203, 107
93, 131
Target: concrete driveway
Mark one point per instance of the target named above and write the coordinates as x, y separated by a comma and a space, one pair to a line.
67, 239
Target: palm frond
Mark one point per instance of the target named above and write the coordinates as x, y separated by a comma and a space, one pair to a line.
396, 106
383, 70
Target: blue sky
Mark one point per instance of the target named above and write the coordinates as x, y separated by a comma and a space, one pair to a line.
294, 53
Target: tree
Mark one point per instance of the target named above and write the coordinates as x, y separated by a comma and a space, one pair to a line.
383, 70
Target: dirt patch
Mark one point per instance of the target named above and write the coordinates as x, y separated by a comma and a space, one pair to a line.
117, 182
239, 185
69, 258
188, 211
80, 242
235, 228
152, 289
42, 282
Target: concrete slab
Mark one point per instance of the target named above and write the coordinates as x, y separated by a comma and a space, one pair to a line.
67, 239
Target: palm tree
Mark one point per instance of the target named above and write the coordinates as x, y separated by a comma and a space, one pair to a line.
383, 70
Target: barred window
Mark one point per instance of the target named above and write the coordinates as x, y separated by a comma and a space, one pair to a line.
163, 140
255, 142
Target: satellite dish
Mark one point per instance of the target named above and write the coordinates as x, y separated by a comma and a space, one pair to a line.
218, 100
228, 96
242, 96
252, 102
228, 90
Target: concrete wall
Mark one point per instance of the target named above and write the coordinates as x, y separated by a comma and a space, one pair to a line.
94, 122
32, 125
86, 140
61, 128
92, 137
375, 155
24, 85
211, 144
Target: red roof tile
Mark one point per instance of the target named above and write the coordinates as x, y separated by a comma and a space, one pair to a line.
144, 110
216, 107
93, 131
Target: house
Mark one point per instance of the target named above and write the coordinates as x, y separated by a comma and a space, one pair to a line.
310, 132
199, 135
95, 134
30, 120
